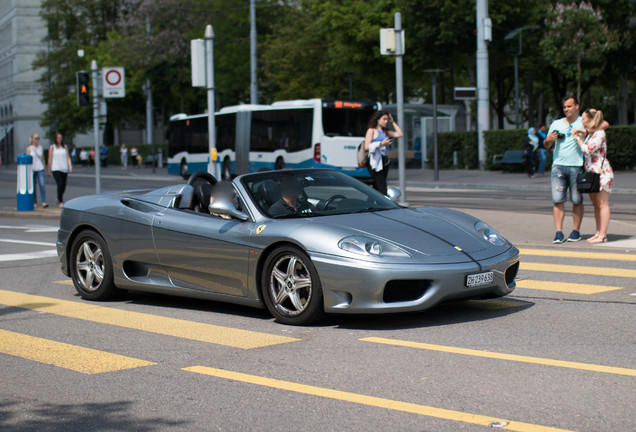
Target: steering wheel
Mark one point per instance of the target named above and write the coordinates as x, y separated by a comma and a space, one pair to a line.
201, 176
332, 199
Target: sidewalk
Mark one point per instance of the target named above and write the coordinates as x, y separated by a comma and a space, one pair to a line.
624, 182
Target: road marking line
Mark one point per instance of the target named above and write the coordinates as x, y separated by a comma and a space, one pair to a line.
75, 358
29, 242
597, 271
28, 255
573, 288
65, 282
574, 254
373, 401
502, 356
201, 332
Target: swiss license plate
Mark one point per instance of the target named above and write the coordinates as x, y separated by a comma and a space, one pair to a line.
479, 279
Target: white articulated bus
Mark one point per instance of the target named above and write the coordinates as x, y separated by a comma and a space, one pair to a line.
294, 134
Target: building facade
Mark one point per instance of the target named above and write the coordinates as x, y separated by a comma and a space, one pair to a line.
21, 34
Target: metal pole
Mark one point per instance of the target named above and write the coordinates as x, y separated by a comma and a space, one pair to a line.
516, 92
98, 159
150, 121
483, 109
253, 82
209, 80
436, 173
399, 90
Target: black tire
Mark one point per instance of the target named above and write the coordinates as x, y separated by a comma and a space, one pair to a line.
291, 287
280, 164
183, 170
92, 267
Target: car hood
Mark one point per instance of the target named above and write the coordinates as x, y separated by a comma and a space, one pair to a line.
425, 233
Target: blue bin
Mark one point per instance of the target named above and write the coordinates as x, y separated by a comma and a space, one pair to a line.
26, 196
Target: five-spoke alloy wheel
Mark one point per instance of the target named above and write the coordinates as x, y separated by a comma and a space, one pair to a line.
291, 287
91, 267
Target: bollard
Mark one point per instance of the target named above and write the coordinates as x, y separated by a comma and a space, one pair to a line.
26, 197
160, 158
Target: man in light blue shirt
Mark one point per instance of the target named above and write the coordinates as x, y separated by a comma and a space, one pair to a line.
566, 163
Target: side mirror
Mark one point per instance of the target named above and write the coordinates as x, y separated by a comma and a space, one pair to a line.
223, 207
393, 193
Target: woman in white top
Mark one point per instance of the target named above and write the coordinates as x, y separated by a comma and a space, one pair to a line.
59, 165
35, 150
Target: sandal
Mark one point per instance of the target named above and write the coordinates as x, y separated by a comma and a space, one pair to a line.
594, 237
597, 240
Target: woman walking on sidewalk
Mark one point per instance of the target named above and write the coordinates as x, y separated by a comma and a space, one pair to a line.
59, 165
35, 150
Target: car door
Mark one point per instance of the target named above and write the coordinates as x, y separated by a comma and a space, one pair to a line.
203, 252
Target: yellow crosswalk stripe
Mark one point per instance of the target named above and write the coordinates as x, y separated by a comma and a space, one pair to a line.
64, 355
576, 254
145, 322
574, 288
502, 356
373, 401
597, 271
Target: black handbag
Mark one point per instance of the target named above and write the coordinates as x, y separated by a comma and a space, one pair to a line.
588, 181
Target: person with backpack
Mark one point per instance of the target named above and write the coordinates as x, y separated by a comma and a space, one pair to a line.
380, 133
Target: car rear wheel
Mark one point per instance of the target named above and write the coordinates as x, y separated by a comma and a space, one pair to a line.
291, 287
279, 164
92, 268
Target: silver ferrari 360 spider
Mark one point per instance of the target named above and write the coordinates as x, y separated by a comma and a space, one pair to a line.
300, 242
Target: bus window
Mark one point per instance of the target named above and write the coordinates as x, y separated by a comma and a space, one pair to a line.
281, 129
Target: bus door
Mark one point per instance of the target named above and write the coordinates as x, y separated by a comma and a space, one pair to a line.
242, 147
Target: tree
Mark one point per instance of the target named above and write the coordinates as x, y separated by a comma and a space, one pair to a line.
72, 25
574, 42
316, 45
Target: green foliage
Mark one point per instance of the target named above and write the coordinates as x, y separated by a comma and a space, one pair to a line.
313, 48
464, 143
621, 147
575, 40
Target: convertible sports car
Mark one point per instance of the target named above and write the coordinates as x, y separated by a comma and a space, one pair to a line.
300, 242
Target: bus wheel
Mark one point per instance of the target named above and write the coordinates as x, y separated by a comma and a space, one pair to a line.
227, 169
280, 164
183, 170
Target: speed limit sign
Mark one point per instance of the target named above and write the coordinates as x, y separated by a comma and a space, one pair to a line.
114, 82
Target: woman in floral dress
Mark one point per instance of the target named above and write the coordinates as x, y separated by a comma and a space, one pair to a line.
594, 148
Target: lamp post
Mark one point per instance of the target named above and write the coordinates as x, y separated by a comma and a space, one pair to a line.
516, 53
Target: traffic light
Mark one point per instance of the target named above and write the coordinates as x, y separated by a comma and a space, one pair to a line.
83, 98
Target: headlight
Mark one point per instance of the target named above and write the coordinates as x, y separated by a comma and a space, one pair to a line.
368, 246
490, 234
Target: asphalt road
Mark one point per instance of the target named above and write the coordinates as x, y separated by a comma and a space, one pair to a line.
557, 354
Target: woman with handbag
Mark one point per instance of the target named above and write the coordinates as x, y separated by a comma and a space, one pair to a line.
594, 148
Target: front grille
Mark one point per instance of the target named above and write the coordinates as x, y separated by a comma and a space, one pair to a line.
405, 290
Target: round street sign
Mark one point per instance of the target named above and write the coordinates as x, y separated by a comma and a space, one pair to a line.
114, 82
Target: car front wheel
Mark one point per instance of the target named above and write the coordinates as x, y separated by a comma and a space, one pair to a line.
291, 287
92, 268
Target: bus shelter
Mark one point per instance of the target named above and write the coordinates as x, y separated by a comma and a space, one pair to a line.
418, 127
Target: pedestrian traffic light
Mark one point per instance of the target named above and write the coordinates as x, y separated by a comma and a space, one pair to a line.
83, 99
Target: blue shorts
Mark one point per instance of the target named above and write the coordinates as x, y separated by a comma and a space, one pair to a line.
563, 178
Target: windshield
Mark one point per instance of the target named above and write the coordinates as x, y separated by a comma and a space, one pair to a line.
302, 193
